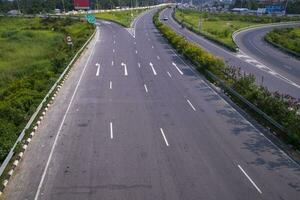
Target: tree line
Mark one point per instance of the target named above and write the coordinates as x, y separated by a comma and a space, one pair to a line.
46, 6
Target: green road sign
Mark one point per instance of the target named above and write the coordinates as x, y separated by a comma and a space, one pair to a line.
91, 18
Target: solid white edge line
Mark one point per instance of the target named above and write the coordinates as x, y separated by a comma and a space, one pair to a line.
191, 105
151, 65
111, 130
250, 179
177, 68
110, 85
61, 125
169, 74
146, 89
163, 134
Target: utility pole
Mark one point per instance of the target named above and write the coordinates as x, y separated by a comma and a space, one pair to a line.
131, 9
63, 4
97, 4
286, 4
18, 7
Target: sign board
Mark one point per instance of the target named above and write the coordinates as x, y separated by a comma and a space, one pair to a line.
81, 4
69, 41
91, 18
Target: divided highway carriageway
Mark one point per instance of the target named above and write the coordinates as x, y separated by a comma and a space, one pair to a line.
134, 121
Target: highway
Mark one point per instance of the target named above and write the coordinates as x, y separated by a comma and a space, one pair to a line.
134, 121
251, 42
272, 78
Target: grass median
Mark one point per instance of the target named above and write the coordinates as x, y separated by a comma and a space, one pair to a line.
124, 18
219, 27
287, 38
33, 54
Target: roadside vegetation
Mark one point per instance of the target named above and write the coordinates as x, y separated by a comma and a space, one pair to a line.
219, 27
124, 18
281, 108
288, 38
33, 53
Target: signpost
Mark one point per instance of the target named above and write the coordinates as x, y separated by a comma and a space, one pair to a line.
69, 42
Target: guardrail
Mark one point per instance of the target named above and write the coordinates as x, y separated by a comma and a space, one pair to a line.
39, 108
116, 10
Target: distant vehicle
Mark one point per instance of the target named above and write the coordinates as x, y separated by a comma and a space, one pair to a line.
165, 18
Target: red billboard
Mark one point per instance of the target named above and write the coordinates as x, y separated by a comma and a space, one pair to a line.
81, 4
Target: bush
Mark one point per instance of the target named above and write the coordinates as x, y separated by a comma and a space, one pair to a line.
288, 38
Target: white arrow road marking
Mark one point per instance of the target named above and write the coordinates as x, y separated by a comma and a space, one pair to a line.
125, 69
250, 179
98, 69
154, 72
163, 134
177, 68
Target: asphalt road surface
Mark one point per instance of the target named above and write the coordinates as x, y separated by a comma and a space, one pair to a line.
269, 76
134, 121
252, 43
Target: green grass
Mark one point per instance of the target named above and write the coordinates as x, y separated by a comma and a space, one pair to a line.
33, 53
220, 26
122, 17
288, 38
